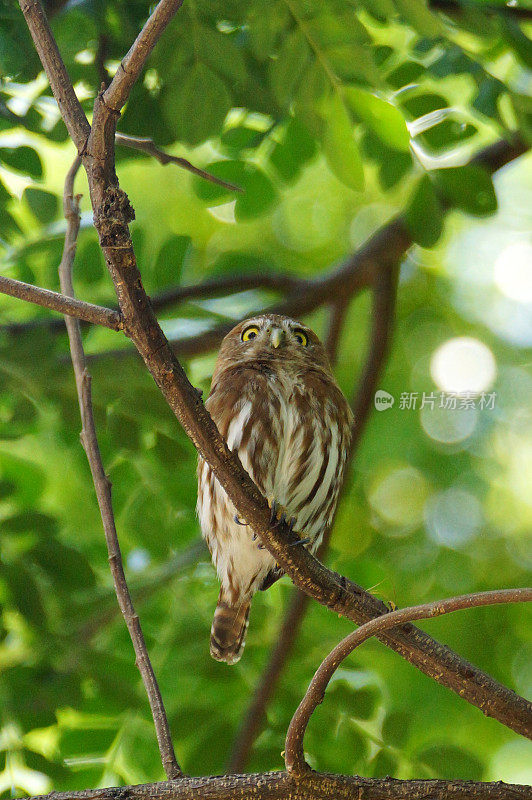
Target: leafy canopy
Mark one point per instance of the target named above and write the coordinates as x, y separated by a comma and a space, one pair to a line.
332, 116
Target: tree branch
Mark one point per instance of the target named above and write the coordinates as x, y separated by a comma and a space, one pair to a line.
215, 287
131, 65
382, 321
88, 312
148, 146
294, 756
46, 46
337, 317
102, 486
310, 786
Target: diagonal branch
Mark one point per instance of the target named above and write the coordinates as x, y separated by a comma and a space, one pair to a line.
46, 46
87, 312
131, 65
102, 486
294, 756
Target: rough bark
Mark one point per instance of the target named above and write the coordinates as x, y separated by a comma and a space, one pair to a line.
313, 786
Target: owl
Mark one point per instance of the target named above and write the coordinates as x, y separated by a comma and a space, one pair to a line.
275, 401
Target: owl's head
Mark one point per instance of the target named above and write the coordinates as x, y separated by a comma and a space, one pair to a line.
271, 340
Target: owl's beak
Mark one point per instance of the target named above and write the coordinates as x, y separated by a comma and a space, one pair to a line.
276, 337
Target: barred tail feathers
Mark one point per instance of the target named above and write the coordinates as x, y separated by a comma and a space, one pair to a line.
228, 630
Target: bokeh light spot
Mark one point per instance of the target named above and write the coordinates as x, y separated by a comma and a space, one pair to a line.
452, 517
463, 365
448, 425
512, 271
399, 497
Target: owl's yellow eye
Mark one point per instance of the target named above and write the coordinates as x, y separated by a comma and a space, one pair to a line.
301, 337
249, 333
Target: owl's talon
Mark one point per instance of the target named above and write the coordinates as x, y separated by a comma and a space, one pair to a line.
274, 511
278, 515
306, 540
239, 521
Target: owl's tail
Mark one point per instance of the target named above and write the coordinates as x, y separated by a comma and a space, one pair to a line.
228, 630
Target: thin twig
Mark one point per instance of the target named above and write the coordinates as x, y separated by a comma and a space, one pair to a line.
102, 486
168, 298
294, 756
149, 147
336, 324
97, 315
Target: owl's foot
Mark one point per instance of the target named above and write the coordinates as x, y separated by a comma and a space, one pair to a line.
278, 515
306, 540
239, 521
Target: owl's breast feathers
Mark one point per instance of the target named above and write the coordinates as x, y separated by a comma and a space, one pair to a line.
291, 432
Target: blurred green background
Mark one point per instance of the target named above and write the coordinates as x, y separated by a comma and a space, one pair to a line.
334, 117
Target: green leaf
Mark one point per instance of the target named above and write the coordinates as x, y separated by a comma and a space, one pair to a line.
31, 522
469, 188
340, 148
89, 266
383, 764
23, 159
515, 36
258, 196
198, 107
266, 21
240, 138
354, 62
288, 68
44, 205
447, 133
221, 54
25, 593
406, 73
294, 148
230, 171
169, 262
5, 196
417, 14
382, 117
66, 567
451, 761
381, 10
421, 104
424, 217
7, 488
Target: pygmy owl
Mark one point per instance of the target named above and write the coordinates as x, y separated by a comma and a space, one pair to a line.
275, 401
